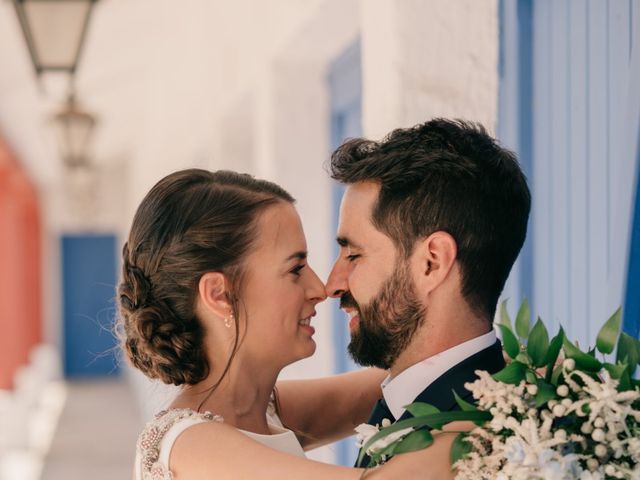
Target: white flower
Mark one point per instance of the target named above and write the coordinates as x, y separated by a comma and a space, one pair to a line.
587, 475
514, 450
366, 431
600, 450
598, 435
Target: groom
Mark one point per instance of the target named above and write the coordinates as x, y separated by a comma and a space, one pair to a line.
431, 221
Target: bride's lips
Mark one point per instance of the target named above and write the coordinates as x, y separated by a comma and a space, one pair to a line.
305, 324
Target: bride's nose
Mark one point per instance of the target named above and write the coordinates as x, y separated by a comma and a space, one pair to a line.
315, 289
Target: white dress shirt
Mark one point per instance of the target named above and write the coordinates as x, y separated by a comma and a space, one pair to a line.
408, 384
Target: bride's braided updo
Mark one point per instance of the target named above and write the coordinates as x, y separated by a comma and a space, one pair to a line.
190, 223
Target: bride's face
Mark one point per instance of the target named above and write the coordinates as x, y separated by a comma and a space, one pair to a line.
280, 290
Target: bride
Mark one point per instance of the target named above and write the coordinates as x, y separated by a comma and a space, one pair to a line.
216, 296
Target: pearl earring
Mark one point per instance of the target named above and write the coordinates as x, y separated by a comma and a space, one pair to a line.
228, 320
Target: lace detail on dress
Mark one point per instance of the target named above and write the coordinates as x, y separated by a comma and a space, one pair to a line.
151, 437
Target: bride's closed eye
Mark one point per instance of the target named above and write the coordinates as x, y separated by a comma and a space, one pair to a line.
297, 270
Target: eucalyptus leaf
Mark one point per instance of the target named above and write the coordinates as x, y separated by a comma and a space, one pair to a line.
523, 318
608, 335
509, 341
628, 351
460, 448
513, 373
552, 353
538, 344
584, 361
416, 440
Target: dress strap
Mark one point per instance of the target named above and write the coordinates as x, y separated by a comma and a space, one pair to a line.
157, 439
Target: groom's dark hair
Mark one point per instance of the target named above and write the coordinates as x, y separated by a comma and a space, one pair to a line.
446, 175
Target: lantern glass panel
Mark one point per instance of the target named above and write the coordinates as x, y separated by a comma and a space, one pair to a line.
56, 30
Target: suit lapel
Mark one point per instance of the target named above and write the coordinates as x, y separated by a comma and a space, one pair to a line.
439, 393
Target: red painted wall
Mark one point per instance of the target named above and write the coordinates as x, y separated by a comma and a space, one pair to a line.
20, 266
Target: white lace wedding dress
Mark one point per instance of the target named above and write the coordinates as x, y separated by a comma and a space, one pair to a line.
156, 440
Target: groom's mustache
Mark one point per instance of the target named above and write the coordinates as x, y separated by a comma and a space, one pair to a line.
347, 301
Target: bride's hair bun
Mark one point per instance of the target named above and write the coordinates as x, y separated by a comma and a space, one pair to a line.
190, 223
158, 343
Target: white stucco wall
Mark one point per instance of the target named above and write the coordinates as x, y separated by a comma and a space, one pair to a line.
427, 58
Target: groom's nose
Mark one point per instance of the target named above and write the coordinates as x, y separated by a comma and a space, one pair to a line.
337, 282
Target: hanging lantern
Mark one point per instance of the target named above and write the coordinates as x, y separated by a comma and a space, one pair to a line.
55, 31
74, 129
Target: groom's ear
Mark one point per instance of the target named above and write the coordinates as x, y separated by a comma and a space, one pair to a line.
436, 256
212, 294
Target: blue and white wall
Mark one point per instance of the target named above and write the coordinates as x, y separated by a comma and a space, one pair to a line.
570, 107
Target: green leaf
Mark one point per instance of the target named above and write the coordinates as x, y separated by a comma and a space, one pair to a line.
463, 404
538, 344
530, 376
555, 376
509, 341
505, 319
416, 440
552, 353
620, 372
609, 332
545, 392
418, 409
584, 361
615, 371
424, 421
513, 373
466, 406
523, 357
628, 351
523, 319
460, 448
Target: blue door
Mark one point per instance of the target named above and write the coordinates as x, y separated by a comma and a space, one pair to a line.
88, 284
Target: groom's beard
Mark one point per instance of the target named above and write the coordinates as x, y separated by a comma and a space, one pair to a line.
388, 323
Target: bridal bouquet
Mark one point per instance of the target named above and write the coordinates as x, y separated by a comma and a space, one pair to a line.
554, 412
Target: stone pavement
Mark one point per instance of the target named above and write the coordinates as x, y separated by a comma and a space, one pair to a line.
96, 434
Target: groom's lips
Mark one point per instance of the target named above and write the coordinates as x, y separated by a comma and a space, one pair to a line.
353, 317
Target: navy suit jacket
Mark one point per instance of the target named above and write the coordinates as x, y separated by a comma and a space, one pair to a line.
439, 393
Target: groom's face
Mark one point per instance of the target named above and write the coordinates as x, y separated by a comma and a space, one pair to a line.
374, 283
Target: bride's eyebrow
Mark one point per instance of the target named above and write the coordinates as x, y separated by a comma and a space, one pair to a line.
301, 255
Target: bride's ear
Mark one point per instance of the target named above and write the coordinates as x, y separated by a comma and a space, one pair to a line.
213, 294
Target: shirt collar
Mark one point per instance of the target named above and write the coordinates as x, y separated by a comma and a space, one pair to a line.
408, 384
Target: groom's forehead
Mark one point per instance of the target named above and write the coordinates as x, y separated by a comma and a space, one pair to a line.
358, 201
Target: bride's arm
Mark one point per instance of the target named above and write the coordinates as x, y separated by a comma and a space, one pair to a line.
323, 410
216, 450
